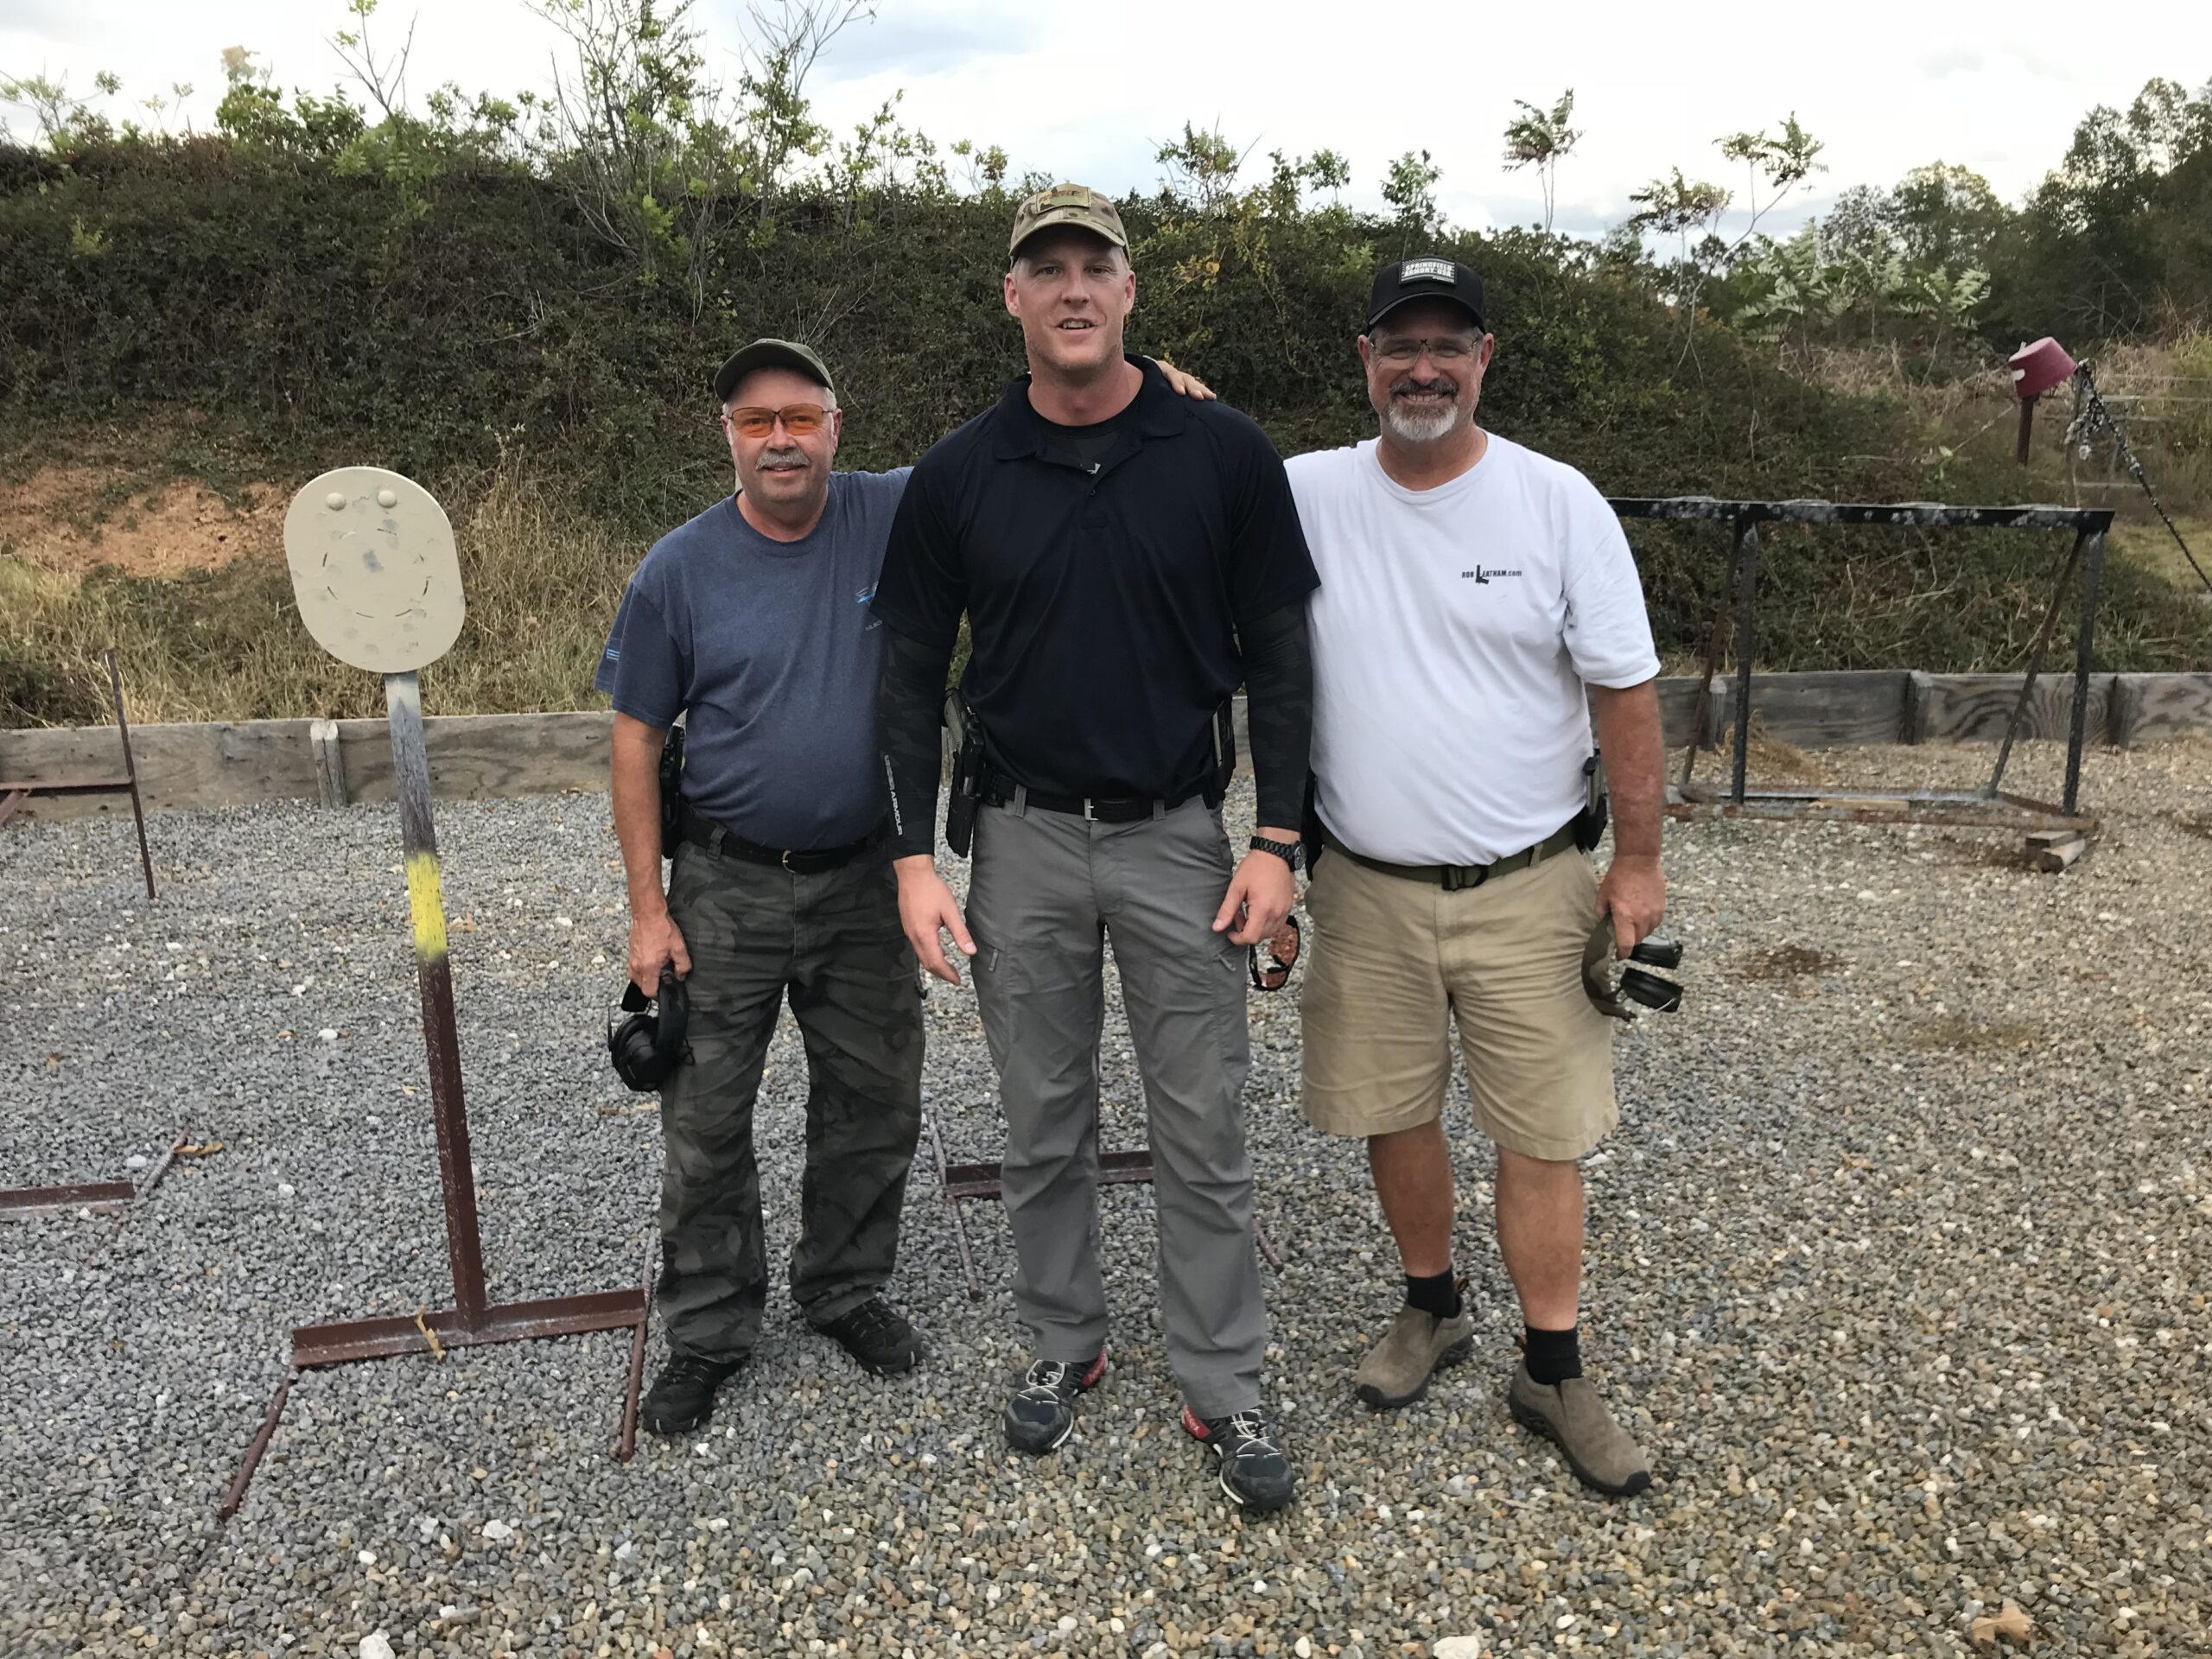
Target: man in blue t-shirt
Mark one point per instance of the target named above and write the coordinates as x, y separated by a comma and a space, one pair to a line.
752, 622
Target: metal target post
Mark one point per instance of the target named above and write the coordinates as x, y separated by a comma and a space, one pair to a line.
374, 568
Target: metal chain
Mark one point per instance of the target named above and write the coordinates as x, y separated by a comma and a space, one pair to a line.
2090, 415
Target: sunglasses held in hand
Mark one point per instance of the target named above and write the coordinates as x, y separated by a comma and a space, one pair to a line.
1282, 955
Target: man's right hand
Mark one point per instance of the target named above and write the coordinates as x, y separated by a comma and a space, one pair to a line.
927, 908
655, 941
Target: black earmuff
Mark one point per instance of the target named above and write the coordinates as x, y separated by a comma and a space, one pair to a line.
648, 1046
1611, 989
1662, 995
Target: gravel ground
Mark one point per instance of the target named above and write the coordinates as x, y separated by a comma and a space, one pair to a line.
1897, 1263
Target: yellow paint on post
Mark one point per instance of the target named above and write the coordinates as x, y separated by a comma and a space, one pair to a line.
426, 901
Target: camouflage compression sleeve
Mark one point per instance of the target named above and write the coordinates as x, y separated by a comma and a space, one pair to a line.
1279, 691
909, 705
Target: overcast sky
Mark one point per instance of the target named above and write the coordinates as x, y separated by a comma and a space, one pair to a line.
1089, 92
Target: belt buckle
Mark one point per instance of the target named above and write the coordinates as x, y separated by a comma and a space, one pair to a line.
785, 860
1088, 816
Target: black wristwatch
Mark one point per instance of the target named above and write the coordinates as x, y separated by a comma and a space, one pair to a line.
1285, 850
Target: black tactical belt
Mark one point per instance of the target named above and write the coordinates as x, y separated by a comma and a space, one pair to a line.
703, 831
1455, 878
996, 791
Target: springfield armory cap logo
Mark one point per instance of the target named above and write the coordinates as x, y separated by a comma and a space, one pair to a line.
1426, 271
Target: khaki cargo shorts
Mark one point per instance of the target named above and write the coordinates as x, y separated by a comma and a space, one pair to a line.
1396, 962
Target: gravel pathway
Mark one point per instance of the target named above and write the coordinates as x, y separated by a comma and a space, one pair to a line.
1898, 1264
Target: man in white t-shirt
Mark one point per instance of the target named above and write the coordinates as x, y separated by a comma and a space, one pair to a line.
1478, 601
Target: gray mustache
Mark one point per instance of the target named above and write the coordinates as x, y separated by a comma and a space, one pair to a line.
1443, 383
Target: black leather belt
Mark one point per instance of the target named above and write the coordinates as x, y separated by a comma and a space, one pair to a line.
996, 791
1457, 877
703, 831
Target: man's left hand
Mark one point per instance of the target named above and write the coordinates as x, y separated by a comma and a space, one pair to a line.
1634, 893
1263, 891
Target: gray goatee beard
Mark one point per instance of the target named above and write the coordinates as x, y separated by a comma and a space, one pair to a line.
1421, 425
1417, 424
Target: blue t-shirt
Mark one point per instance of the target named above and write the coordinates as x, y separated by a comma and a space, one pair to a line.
773, 650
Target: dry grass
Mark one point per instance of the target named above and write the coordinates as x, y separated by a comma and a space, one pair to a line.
542, 578
2152, 545
1880, 371
1769, 759
2161, 391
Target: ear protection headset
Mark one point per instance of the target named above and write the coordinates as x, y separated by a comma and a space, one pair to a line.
647, 1047
1611, 990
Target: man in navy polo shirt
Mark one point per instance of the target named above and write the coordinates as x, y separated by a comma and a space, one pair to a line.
1124, 560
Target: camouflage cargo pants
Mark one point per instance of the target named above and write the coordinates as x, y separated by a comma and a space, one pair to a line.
831, 944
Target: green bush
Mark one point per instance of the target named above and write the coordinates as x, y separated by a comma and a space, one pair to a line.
253, 312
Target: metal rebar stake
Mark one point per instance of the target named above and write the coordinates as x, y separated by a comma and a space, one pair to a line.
418, 839
2092, 571
1747, 590
130, 770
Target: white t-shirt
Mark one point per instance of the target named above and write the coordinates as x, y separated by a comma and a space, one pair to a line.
1453, 632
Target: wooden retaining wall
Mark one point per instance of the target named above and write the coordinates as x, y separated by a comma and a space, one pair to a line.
234, 764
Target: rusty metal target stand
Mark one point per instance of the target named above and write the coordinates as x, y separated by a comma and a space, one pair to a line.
86, 1197
962, 1183
380, 584
68, 1198
13, 791
1990, 807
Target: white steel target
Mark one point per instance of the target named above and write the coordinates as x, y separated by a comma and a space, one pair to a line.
374, 570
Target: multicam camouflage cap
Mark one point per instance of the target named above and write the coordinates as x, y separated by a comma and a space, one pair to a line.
1068, 204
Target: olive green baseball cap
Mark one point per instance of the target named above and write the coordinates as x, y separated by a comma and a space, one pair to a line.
772, 354
1068, 204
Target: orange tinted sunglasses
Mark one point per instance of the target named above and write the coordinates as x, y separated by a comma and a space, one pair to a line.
798, 419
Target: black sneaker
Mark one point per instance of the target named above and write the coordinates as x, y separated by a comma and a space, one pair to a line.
1254, 1471
877, 1335
683, 1397
1041, 1413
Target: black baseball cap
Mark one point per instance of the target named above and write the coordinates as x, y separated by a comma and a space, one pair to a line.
1425, 278
772, 354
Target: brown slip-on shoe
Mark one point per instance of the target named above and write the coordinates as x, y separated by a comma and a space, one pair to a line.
1571, 1416
1396, 1370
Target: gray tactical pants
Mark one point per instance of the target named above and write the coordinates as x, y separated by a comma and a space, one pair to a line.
1048, 888
831, 942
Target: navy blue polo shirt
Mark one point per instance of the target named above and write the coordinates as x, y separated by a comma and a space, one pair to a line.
1104, 571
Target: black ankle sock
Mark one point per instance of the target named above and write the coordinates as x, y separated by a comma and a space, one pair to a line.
1553, 1355
1435, 1293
